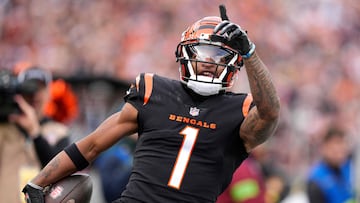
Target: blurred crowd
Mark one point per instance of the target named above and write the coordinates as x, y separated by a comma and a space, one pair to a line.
311, 48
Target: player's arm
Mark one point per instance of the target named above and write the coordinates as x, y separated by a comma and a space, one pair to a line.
87, 149
262, 119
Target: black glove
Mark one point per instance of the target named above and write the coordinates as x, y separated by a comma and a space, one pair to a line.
33, 195
235, 37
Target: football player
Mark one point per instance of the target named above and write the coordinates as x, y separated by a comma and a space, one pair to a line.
192, 133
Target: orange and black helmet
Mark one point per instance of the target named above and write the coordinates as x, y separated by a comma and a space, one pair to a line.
198, 42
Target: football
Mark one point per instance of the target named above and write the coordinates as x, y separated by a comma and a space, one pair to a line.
76, 188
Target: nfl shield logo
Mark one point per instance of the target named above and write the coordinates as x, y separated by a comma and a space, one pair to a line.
194, 111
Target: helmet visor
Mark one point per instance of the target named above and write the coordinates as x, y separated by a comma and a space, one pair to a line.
215, 54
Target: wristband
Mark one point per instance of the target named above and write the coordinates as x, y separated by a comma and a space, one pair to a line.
76, 157
250, 53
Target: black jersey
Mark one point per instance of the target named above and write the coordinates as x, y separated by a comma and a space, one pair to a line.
188, 147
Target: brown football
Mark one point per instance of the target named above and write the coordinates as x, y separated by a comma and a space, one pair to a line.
76, 188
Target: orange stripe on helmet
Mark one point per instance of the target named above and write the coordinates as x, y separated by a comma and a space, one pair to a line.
148, 86
246, 104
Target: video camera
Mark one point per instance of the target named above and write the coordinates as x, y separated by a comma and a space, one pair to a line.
9, 87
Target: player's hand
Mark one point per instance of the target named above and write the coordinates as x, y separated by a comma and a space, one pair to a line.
235, 36
33, 195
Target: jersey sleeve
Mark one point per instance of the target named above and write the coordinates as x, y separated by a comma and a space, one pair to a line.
140, 91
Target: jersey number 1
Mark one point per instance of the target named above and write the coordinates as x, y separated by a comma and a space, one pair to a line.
190, 135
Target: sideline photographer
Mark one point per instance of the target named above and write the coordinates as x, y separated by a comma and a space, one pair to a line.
28, 139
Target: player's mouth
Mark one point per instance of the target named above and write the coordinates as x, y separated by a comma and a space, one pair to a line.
208, 74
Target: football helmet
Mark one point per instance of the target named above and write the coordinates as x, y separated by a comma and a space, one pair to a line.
200, 44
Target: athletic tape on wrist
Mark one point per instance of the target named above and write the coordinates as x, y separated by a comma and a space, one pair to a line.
250, 53
35, 186
76, 157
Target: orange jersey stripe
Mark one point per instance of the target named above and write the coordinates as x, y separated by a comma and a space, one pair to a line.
148, 87
246, 104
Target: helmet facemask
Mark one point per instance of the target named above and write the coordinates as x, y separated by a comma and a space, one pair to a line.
199, 48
